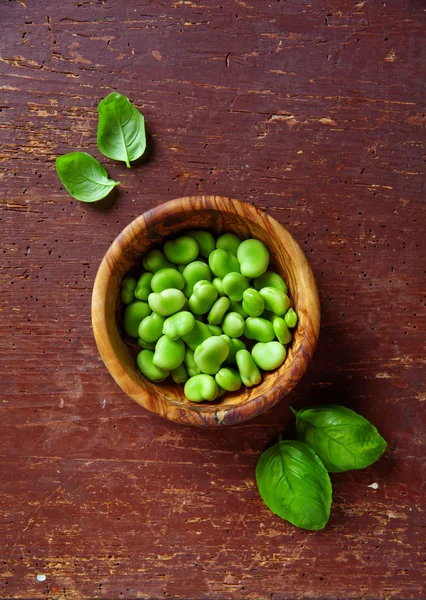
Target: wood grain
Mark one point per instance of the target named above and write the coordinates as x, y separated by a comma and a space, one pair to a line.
312, 111
218, 215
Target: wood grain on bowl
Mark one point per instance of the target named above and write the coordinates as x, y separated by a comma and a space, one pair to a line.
219, 215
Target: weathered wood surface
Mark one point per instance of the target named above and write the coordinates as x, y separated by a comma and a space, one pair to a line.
312, 110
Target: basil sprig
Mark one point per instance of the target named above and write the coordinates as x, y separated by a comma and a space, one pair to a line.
292, 476
294, 484
121, 129
342, 438
83, 177
121, 136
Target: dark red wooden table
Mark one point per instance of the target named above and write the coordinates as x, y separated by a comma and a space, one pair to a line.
314, 111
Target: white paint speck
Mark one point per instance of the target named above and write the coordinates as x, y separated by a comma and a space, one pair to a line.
41, 577
103, 403
373, 485
382, 376
61, 403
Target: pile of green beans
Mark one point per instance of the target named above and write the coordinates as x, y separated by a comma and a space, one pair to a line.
209, 313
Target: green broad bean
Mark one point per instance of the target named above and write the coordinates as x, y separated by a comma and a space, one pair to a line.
210, 354
179, 375
226, 338
220, 392
169, 354
253, 303
269, 356
155, 261
218, 310
290, 318
145, 363
167, 302
259, 329
271, 279
181, 251
166, 279
276, 301
203, 297
151, 328
249, 373
233, 325
201, 387
197, 335
215, 329
228, 379
253, 257
178, 325
281, 330
222, 262
268, 315
127, 290
229, 242
190, 364
205, 241
238, 308
133, 315
194, 272
218, 285
235, 345
234, 286
147, 345
143, 287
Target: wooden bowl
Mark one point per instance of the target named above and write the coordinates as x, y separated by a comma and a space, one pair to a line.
219, 215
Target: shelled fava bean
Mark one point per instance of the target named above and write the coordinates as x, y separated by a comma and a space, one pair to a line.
208, 313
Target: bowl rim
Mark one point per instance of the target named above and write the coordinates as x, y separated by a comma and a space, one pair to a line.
216, 414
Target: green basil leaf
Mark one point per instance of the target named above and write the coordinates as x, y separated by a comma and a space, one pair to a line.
121, 129
83, 177
294, 484
342, 438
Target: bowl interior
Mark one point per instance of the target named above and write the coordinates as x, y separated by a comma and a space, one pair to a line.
150, 231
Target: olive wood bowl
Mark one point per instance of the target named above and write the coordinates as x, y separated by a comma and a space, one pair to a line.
219, 215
